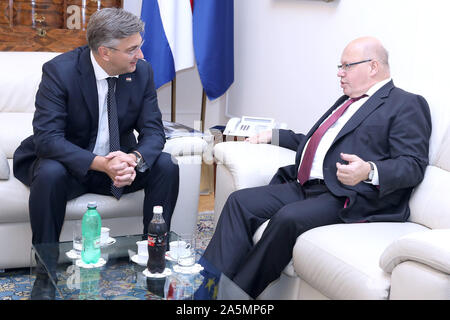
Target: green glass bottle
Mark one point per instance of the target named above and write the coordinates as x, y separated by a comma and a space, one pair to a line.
90, 230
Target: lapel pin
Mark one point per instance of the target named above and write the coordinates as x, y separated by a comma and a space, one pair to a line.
128, 79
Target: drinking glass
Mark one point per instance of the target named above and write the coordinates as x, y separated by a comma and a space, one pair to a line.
186, 252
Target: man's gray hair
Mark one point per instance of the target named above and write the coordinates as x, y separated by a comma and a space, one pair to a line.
383, 55
107, 26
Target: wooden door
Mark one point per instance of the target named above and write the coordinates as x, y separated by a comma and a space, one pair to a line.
47, 25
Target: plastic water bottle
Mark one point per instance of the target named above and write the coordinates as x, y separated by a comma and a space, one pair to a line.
157, 238
91, 229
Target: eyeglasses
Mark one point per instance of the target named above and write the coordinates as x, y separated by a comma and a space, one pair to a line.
131, 52
347, 66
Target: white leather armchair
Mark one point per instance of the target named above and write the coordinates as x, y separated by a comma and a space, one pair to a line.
383, 260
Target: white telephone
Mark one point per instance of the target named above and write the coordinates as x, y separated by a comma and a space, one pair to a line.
249, 126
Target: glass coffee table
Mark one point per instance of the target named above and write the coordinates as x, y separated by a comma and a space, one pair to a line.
120, 278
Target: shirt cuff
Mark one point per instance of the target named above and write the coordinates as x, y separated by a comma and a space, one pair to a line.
375, 179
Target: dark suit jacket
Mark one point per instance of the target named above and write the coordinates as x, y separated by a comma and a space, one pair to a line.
65, 122
392, 129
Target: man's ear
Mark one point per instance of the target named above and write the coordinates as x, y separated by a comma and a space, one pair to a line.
104, 53
374, 67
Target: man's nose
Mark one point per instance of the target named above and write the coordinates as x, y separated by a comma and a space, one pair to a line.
140, 54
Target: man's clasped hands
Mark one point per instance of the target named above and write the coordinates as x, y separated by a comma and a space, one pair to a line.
119, 166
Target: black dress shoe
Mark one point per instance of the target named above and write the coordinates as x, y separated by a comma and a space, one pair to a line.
43, 289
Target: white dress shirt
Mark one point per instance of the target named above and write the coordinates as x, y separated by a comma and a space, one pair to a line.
102, 143
329, 136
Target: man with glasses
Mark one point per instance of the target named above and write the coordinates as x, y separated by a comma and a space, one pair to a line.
90, 101
358, 163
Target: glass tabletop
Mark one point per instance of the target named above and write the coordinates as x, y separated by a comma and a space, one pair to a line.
120, 277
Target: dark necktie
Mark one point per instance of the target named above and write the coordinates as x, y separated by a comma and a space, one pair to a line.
113, 124
308, 157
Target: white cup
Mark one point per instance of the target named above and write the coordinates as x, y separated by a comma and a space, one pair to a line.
142, 251
174, 247
104, 235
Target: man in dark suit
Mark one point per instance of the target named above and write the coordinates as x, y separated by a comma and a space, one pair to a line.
358, 163
89, 102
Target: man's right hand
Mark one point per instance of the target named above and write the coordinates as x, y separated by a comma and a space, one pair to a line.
262, 137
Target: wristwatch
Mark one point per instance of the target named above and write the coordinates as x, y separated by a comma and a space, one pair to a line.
371, 172
139, 162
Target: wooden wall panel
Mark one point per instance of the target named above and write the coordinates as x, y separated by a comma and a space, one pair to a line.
4, 12
39, 13
47, 25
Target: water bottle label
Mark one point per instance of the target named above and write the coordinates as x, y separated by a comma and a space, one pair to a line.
97, 243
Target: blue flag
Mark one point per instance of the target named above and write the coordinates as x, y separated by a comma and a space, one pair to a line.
214, 44
168, 37
208, 289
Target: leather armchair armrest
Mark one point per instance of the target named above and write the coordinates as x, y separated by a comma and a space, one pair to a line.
250, 164
185, 146
430, 247
4, 166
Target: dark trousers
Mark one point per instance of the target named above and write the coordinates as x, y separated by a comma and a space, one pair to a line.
52, 186
292, 210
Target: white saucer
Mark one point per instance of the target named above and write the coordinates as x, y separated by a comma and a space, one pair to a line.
148, 274
196, 268
72, 254
135, 259
108, 242
170, 257
101, 262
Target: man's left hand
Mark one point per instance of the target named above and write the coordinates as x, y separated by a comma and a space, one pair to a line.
128, 158
354, 172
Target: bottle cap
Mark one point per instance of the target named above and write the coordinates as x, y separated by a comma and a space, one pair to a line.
92, 204
157, 209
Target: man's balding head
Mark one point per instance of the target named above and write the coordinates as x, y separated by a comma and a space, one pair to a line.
365, 62
372, 48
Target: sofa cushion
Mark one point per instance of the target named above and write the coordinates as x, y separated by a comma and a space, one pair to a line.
14, 127
442, 159
4, 166
430, 201
22, 75
342, 261
14, 199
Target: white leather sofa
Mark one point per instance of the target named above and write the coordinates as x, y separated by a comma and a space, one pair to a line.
408, 260
21, 74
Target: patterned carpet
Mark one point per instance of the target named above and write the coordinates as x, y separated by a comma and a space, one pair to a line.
16, 284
